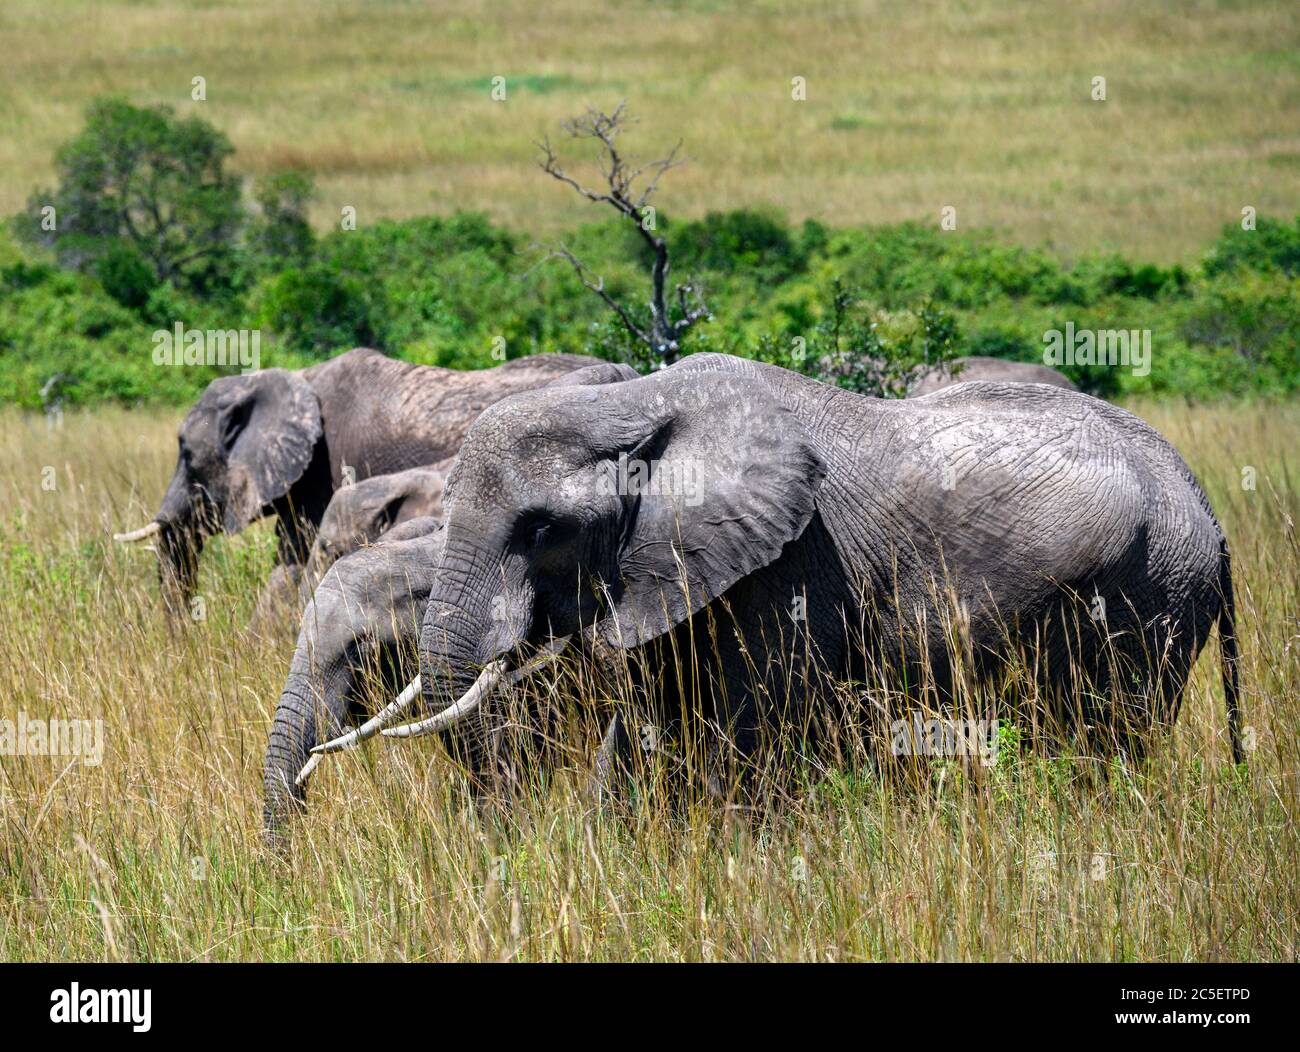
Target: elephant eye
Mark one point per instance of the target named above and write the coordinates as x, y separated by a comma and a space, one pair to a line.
534, 530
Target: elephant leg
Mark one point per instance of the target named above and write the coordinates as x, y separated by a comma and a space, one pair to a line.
613, 764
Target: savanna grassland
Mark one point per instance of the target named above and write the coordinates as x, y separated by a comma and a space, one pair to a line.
1117, 214
911, 105
155, 852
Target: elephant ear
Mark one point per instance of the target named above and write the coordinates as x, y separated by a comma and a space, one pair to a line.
270, 423
725, 477
594, 375
381, 499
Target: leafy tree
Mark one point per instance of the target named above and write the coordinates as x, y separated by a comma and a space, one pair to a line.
126, 275
147, 179
280, 235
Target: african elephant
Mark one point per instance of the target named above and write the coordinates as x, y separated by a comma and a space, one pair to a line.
366, 611
962, 370
364, 618
764, 533
280, 443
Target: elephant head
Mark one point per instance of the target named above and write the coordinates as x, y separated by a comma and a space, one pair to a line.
620, 507
242, 448
365, 614
361, 513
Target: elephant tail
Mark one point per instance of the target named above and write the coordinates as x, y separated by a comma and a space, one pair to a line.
1229, 653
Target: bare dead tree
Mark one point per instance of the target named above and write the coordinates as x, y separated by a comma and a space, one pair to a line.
629, 188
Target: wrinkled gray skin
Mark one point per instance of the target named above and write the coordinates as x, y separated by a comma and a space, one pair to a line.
1035, 498
362, 513
277, 442
997, 370
366, 611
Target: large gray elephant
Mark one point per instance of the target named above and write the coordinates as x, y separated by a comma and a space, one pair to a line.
933, 378
763, 533
280, 443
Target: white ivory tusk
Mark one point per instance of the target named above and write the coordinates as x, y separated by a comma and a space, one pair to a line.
307, 768
373, 725
475, 696
143, 533
453, 714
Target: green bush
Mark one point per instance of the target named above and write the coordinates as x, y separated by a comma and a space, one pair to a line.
1274, 245
315, 310
449, 290
1003, 341
1251, 321
753, 244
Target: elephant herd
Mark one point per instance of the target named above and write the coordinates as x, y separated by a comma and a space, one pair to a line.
789, 535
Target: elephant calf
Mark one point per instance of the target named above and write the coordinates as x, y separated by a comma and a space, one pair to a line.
365, 613
364, 511
357, 514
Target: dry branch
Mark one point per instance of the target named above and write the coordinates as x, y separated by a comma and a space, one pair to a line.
628, 190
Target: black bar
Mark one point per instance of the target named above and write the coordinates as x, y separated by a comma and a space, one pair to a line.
309, 1003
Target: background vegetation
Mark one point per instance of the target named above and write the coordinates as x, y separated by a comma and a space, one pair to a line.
150, 230
911, 105
1122, 213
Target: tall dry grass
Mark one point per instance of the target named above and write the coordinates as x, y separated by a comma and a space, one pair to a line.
155, 852
912, 105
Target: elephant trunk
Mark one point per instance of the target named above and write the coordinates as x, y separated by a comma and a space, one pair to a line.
179, 547
313, 707
183, 524
473, 619
450, 654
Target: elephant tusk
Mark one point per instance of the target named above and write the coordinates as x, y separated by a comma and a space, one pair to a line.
453, 714
307, 768
368, 729
143, 533
474, 697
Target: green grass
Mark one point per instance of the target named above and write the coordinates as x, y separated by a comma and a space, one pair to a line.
910, 106
154, 854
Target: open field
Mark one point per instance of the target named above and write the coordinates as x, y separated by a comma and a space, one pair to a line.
911, 106
154, 853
